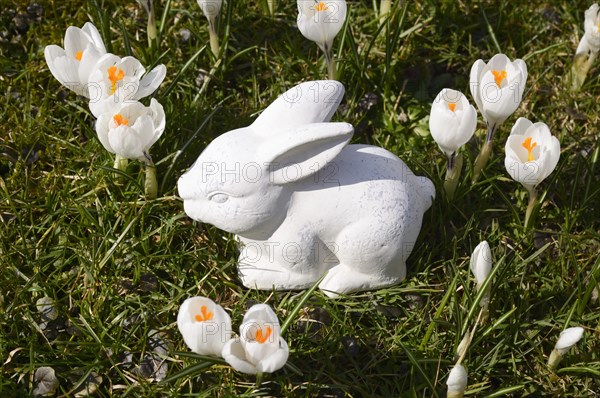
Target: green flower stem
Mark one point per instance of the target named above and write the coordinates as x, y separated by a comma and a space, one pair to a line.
455, 394
466, 344
482, 160
152, 32
533, 201
555, 358
485, 306
150, 184
259, 377
272, 5
331, 66
384, 9
214, 38
453, 170
120, 163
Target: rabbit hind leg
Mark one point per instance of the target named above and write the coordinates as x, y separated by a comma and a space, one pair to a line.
342, 279
366, 261
268, 276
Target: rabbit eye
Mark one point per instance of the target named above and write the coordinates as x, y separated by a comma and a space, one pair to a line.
218, 197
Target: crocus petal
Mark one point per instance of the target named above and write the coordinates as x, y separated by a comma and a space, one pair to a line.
276, 360
233, 353
257, 352
151, 81
474, 82
92, 31
481, 262
89, 59
52, 53
75, 40
102, 130
568, 338
158, 120
552, 156
520, 126
130, 142
457, 380
592, 33
261, 312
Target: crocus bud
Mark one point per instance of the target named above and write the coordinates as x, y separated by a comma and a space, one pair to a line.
568, 338
204, 325
588, 47
592, 28
481, 262
210, 8
452, 120
457, 382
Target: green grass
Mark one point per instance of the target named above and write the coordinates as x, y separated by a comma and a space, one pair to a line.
117, 266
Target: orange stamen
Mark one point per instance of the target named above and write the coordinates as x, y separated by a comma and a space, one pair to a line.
320, 6
205, 315
120, 120
452, 106
259, 335
529, 146
114, 75
78, 55
499, 75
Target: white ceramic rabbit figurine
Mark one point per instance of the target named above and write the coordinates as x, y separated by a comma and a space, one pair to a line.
304, 203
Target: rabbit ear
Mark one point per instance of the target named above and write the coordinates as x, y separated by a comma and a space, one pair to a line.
296, 154
309, 102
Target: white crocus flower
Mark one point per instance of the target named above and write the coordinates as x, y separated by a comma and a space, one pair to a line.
497, 89
211, 9
532, 153
204, 325
452, 120
260, 347
588, 47
118, 80
592, 28
73, 65
568, 338
321, 21
457, 382
131, 130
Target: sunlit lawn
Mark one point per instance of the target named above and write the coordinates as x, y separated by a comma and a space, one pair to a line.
116, 266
